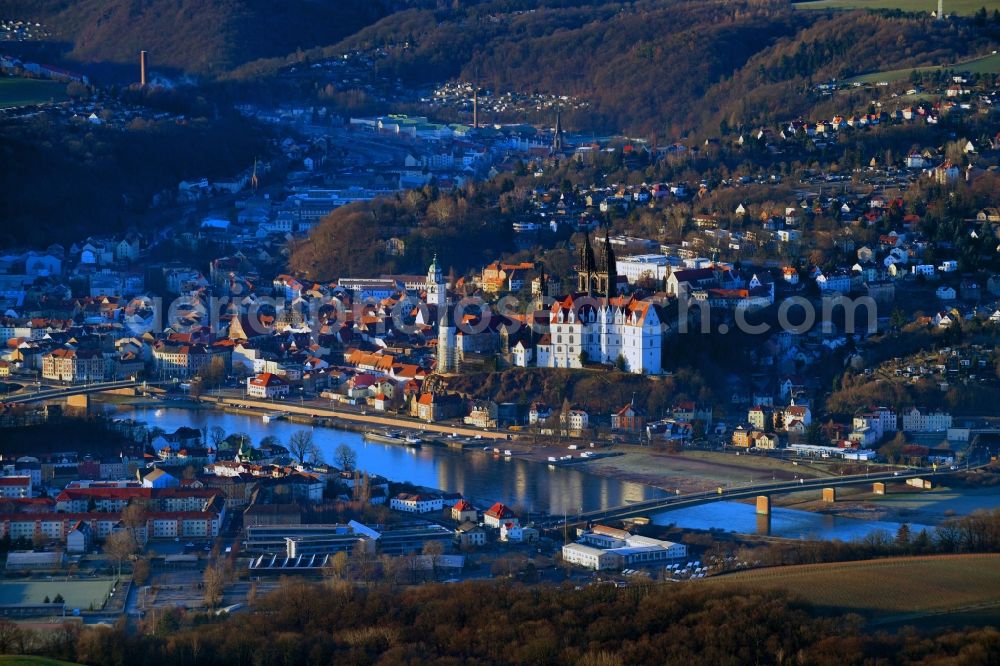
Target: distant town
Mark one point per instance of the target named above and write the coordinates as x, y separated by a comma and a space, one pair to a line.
234, 383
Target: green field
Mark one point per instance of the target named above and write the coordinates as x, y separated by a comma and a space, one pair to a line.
964, 7
19, 92
888, 589
77, 593
985, 65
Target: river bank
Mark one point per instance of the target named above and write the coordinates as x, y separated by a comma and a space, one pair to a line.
900, 504
524, 477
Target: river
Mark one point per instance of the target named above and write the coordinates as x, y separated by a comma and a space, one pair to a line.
527, 485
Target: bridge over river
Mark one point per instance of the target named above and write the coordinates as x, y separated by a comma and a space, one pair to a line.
762, 492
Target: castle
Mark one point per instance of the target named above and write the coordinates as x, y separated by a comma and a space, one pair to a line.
597, 325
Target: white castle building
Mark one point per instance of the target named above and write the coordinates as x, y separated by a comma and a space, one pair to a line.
600, 330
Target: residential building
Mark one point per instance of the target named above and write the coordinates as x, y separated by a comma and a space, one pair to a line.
418, 503
267, 386
72, 365
917, 420
499, 514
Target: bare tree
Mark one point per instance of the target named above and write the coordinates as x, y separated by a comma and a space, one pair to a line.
434, 549
364, 559
216, 435
345, 457
215, 579
134, 517
11, 636
300, 444
120, 546
336, 567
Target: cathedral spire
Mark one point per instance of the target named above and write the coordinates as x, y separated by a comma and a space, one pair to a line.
557, 136
610, 266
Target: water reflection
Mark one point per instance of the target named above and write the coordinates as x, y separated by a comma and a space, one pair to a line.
789, 523
478, 475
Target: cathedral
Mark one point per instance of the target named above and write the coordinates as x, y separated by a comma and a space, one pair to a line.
597, 277
597, 324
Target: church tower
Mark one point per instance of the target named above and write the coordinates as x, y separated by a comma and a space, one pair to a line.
594, 276
558, 141
437, 289
587, 269
447, 354
610, 268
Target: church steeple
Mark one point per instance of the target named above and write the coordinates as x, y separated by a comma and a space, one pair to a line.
610, 266
437, 289
588, 266
557, 137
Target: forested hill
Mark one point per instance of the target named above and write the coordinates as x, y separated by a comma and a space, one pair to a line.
659, 67
197, 36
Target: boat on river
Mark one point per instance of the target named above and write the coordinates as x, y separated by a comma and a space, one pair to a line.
392, 437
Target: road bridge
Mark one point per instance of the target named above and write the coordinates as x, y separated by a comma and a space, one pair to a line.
77, 389
761, 492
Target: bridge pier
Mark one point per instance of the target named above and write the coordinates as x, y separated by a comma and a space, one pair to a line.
80, 401
829, 494
763, 505
878, 488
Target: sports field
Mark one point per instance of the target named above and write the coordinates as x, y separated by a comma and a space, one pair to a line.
77, 593
21, 92
964, 7
884, 589
986, 65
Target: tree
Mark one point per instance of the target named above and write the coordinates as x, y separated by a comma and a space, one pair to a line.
140, 571
120, 546
11, 637
216, 435
621, 363
134, 517
58, 599
300, 444
345, 458
336, 566
214, 583
898, 319
215, 373
269, 441
434, 549
903, 536
364, 560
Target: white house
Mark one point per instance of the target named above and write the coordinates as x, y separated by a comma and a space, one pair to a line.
411, 503
267, 386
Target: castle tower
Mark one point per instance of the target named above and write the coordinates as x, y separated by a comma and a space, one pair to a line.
437, 289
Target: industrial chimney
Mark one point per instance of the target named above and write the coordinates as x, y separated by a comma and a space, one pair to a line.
940, 10
143, 64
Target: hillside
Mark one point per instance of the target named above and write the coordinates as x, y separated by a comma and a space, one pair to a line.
880, 589
195, 36
663, 68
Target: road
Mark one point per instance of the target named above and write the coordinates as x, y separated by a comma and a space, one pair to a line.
24, 396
